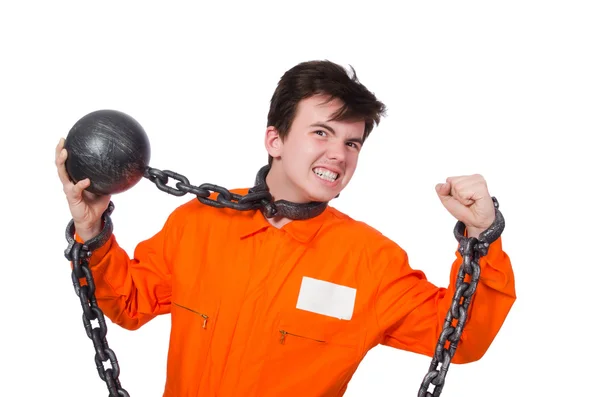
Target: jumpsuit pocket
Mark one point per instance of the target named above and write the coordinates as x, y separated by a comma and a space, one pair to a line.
192, 330
305, 352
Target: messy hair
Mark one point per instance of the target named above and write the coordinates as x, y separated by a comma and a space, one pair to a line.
331, 80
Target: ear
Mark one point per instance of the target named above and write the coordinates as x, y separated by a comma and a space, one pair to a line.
273, 142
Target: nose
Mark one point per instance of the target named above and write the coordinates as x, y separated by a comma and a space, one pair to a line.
336, 151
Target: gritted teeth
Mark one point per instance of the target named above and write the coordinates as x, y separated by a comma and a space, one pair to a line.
326, 174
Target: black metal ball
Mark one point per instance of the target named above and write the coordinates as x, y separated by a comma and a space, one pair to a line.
110, 148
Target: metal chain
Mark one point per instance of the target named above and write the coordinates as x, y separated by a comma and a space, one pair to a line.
259, 197
225, 198
79, 255
471, 250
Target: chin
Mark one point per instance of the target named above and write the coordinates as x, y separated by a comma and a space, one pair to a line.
322, 196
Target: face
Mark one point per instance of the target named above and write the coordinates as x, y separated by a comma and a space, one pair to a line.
318, 157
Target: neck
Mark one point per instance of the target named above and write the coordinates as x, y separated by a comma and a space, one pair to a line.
274, 182
278, 221
285, 197
279, 187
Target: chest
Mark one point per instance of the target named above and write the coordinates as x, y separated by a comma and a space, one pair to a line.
324, 284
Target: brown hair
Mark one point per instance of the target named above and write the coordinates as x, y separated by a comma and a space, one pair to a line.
323, 78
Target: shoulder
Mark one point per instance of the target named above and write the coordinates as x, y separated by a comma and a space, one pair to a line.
343, 222
360, 233
362, 240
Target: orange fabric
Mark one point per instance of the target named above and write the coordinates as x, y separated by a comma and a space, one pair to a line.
231, 283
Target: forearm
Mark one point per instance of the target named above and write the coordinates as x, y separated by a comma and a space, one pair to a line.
129, 292
494, 296
412, 311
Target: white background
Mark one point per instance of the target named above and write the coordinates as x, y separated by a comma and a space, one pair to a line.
508, 89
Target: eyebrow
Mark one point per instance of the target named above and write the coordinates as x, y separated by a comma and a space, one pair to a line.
327, 127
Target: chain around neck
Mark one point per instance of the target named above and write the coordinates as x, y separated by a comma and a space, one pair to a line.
285, 208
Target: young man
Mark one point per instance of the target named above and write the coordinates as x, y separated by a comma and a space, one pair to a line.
289, 305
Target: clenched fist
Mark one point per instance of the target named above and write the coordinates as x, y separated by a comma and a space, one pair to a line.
467, 198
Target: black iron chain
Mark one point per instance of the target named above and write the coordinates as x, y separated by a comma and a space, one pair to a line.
259, 197
79, 254
225, 198
471, 250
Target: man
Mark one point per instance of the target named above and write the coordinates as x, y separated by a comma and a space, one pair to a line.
288, 305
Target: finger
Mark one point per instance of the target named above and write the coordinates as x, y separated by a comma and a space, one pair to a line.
465, 188
59, 146
470, 190
455, 188
456, 208
57, 151
466, 180
444, 191
78, 189
457, 183
455, 180
62, 169
463, 194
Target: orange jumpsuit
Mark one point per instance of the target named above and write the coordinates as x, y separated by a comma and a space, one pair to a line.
265, 312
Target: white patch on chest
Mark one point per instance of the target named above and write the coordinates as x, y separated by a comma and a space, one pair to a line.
324, 297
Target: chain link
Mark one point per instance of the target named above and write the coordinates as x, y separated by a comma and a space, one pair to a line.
225, 198
257, 197
79, 255
471, 250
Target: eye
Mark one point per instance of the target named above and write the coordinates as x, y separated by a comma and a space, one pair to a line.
321, 132
354, 145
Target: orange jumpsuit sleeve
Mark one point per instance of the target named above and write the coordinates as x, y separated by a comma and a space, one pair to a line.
411, 311
132, 291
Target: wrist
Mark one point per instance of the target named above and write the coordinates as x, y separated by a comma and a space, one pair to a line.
474, 231
87, 232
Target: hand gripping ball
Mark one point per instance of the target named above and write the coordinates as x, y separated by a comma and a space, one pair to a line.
110, 148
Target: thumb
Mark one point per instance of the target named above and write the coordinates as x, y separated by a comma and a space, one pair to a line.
443, 190
451, 204
76, 192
